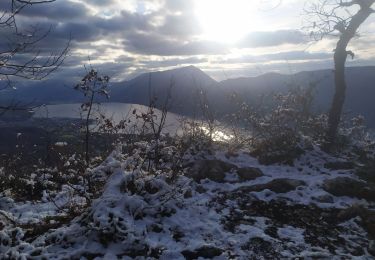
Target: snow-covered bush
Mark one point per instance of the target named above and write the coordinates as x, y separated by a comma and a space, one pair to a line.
282, 131
194, 136
276, 132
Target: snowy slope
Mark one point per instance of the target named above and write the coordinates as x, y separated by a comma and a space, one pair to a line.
280, 212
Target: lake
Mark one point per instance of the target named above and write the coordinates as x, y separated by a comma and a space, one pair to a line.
118, 112
115, 111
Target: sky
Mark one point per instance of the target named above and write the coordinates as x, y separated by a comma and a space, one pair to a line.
224, 38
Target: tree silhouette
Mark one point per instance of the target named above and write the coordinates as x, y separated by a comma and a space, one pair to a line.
91, 85
339, 18
19, 55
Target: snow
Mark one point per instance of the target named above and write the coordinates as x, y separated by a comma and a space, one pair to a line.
292, 234
140, 211
61, 144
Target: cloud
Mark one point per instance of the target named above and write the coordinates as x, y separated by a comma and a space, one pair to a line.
101, 3
182, 26
273, 38
156, 44
179, 5
176, 34
172, 62
279, 56
60, 10
141, 35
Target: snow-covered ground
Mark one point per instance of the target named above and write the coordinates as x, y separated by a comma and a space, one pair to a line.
266, 212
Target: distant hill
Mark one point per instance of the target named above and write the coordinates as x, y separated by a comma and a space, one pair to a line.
359, 98
187, 81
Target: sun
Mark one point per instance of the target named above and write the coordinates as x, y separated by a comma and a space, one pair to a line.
225, 21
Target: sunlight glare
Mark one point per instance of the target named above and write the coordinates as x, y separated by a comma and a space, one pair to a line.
225, 20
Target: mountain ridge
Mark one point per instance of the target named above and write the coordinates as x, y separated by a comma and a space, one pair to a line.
189, 81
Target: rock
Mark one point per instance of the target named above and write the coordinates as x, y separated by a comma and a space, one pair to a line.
339, 165
188, 194
367, 218
150, 188
268, 155
322, 228
349, 213
211, 169
367, 172
277, 185
6, 220
324, 198
177, 234
249, 173
371, 247
369, 225
204, 251
260, 247
200, 189
345, 186
157, 228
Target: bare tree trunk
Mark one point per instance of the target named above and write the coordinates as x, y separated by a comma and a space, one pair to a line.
87, 155
339, 97
340, 57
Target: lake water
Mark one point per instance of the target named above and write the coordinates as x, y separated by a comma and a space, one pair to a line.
115, 111
118, 112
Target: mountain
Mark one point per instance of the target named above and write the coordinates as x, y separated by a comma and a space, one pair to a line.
184, 84
360, 88
188, 81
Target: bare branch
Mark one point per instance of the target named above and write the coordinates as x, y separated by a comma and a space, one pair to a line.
19, 53
328, 17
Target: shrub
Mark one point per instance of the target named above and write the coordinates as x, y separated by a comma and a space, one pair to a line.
281, 132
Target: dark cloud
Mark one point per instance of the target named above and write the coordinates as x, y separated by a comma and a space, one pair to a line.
174, 37
58, 10
156, 44
79, 32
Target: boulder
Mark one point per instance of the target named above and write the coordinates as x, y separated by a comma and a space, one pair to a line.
249, 173
210, 169
367, 172
345, 186
204, 251
324, 198
339, 165
367, 218
282, 185
371, 247
367, 222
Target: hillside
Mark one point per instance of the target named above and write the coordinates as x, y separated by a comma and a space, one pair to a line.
188, 81
185, 83
360, 82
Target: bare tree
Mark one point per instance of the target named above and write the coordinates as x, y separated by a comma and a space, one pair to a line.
341, 18
19, 53
91, 86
